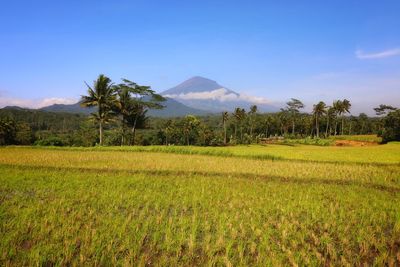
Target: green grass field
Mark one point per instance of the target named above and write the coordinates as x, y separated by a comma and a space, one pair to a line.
183, 206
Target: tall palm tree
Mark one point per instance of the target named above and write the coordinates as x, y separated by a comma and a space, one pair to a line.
338, 109
252, 113
225, 117
318, 110
268, 121
239, 115
345, 109
330, 116
103, 96
293, 107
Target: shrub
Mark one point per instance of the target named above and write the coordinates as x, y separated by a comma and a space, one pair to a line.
391, 127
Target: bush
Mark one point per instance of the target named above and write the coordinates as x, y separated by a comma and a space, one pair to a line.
50, 141
391, 127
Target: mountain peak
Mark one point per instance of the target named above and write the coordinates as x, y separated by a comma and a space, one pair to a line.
195, 84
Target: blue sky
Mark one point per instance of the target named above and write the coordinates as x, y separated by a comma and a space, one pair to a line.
311, 50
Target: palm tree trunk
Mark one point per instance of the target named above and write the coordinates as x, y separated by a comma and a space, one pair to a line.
327, 127
236, 131
101, 132
342, 124
224, 133
134, 131
316, 125
293, 127
335, 126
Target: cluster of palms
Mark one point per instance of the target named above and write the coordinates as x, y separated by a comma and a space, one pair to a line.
126, 102
338, 109
239, 115
290, 114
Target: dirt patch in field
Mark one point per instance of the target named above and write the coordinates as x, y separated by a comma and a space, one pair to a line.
354, 143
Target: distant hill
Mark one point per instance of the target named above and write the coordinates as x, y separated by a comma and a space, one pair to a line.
72, 108
205, 94
172, 108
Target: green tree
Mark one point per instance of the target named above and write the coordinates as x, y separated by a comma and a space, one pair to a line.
225, 117
383, 109
103, 96
239, 116
252, 114
268, 121
293, 107
337, 109
133, 102
330, 117
8, 131
318, 111
346, 105
391, 127
190, 125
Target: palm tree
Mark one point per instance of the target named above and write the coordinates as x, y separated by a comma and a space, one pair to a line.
252, 113
318, 110
239, 115
225, 117
330, 115
102, 96
337, 108
268, 121
294, 106
345, 109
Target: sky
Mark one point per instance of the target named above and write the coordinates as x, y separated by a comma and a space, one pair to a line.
310, 50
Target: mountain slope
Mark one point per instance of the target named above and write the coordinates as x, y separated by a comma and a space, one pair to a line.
172, 108
72, 108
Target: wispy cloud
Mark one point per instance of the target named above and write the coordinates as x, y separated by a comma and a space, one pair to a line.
383, 54
219, 94
34, 103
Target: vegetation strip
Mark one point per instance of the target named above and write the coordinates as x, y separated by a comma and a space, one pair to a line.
216, 153
244, 175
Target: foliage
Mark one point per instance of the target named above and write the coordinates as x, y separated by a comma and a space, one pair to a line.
50, 141
391, 127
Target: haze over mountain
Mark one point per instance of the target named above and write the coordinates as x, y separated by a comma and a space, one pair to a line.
172, 109
205, 94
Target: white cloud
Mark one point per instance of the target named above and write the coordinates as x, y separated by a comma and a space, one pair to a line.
219, 94
383, 54
34, 103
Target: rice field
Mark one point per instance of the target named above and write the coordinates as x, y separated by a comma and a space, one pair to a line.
268, 205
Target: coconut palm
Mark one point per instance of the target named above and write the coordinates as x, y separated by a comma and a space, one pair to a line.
330, 116
103, 96
252, 113
268, 122
338, 109
318, 110
225, 117
346, 105
239, 115
293, 107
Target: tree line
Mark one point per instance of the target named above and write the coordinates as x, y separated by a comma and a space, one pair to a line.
121, 119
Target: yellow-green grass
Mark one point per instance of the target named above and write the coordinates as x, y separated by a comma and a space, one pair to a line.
382, 154
108, 207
